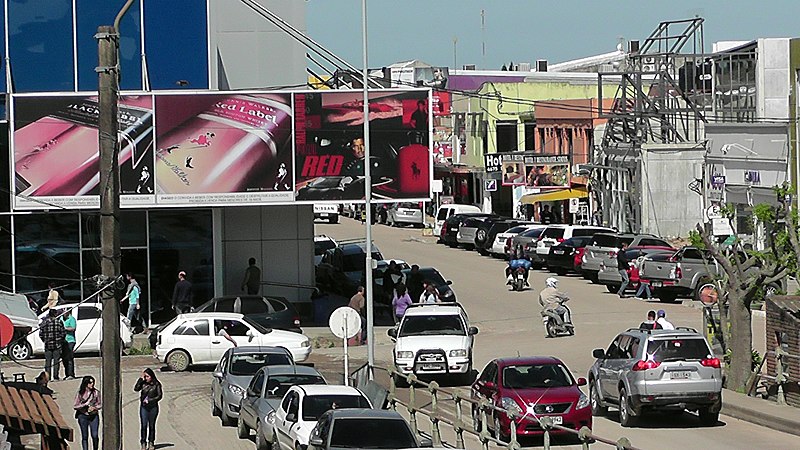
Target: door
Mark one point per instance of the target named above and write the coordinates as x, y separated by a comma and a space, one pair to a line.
194, 336
251, 398
289, 406
236, 329
88, 329
624, 361
607, 385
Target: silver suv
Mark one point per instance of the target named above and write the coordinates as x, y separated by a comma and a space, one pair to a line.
646, 369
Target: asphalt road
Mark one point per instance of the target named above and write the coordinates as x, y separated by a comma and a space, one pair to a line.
510, 324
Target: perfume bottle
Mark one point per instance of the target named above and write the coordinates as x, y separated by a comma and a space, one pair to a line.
230, 147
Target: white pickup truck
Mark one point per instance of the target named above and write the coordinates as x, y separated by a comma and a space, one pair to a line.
327, 212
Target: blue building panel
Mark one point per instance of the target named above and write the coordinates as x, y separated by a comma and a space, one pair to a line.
93, 13
40, 37
176, 43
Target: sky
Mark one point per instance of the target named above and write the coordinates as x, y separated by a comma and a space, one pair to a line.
527, 30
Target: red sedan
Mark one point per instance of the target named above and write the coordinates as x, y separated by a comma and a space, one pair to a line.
530, 388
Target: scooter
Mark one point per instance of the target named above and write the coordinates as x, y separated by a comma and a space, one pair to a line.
518, 280
555, 329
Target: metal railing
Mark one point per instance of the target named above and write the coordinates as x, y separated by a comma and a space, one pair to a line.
781, 371
482, 410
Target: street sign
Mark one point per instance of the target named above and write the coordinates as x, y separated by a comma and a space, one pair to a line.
729, 241
714, 212
574, 205
490, 185
436, 186
721, 227
345, 323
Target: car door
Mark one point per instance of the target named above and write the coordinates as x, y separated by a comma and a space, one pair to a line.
248, 410
88, 329
289, 405
482, 390
193, 335
217, 381
624, 362
605, 367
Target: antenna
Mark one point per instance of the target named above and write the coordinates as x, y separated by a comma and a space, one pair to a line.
483, 39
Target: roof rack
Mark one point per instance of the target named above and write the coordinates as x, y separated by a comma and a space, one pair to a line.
650, 330
422, 305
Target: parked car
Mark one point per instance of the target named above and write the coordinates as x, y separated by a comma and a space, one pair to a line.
680, 275
502, 240
233, 374
263, 396
267, 311
302, 407
405, 213
446, 293
19, 309
341, 270
656, 370
88, 332
434, 340
446, 211
604, 247
566, 256
609, 275
322, 244
450, 229
348, 428
554, 234
467, 235
192, 339
532, 387
493, 229
526, 239
326, 211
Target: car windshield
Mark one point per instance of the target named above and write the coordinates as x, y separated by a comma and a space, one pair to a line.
533, 233
605, 240
434, 276
553, 233
433, 324
277, 385
316, 405
260, 328
248, 364
408, 205
320, 247
372, 433
536, 376
666, 350
516, 230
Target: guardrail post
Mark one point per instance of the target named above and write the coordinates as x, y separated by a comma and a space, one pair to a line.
585, 435
512, 443
459, 429
547, 424
780, 376
484, 428
392, 390
412, 403
435, 432
623, 443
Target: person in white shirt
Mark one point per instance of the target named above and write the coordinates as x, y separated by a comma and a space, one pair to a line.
662, 320
430, 295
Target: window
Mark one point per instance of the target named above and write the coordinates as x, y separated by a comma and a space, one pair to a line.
257, 383
192, 327
692, 253
604, 240
653, 243
254, 306
316, 405
276, 305
234, 327
553, 232
278, 385
489, 373
536, 376
294, 404
665, 350
506, 136
613, 349
88, 313
224, 305
286, 400
371, 433
530, 136
535, 233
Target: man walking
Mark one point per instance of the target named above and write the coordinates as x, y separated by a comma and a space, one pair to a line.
133, 299
182, 294
359, 303
415, 283
52, 333
68, 350
252, 278
622, 267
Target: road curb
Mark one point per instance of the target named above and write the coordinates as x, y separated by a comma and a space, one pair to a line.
761, 418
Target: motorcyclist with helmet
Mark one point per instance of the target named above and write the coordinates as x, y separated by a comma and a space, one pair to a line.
551, 299
516, 260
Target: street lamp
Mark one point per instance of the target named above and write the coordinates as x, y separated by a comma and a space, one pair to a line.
367, 195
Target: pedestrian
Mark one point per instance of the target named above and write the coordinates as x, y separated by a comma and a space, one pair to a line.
252, 278
87, 405
415, 283
390, 278
430, 295
358, 303
644, 285
400, 302
662, 320
150, 394
68, 349
622, 267
52, 333
182, 294
132, 295
650, 323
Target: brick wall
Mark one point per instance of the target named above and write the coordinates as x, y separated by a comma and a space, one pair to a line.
784, 323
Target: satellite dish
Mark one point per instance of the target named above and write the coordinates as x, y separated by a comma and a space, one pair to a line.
345, 322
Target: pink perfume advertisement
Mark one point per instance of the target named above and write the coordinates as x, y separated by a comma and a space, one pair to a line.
222, 149
56, 156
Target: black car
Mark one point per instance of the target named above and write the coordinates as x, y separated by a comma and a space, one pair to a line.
446, 293
561, 258
488, 231
268, 311
451, 225
342, 269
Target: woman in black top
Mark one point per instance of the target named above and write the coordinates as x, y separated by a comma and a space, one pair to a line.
151, 393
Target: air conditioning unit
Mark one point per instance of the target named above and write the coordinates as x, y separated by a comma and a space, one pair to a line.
525, 67
469, 66
541, 65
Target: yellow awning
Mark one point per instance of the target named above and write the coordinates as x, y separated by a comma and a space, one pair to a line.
555, 196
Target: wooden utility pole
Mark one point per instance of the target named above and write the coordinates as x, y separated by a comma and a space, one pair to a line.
108, 70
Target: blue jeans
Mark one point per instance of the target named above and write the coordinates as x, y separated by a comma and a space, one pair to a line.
644, 287
132, 313
87, 423
625, 281
147, 416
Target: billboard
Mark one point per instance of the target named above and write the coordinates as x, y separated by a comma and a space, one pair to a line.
223, 148
329, 145
548, 171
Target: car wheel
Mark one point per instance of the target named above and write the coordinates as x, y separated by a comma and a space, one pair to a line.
560, 271
178, 360
612, 289
241, 429
20, 350
215, 411
625, 417
598, 410
480, 238
707, 417
261, 440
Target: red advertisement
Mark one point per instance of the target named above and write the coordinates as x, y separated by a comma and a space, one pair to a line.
329, 145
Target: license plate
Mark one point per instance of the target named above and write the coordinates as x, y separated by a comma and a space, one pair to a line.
656, 283
557, 420
558, 252
681, 375
431, 367
323, 214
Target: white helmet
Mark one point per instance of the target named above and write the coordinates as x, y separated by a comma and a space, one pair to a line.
551, 282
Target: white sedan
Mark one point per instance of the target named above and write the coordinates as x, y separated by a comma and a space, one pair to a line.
88, 332
197, 339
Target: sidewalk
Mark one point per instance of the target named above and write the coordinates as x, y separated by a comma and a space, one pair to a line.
761, 412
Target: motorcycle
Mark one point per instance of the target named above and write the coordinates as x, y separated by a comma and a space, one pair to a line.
552, 326
518, 280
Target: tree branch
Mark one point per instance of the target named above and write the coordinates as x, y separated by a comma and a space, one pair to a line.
719, 257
